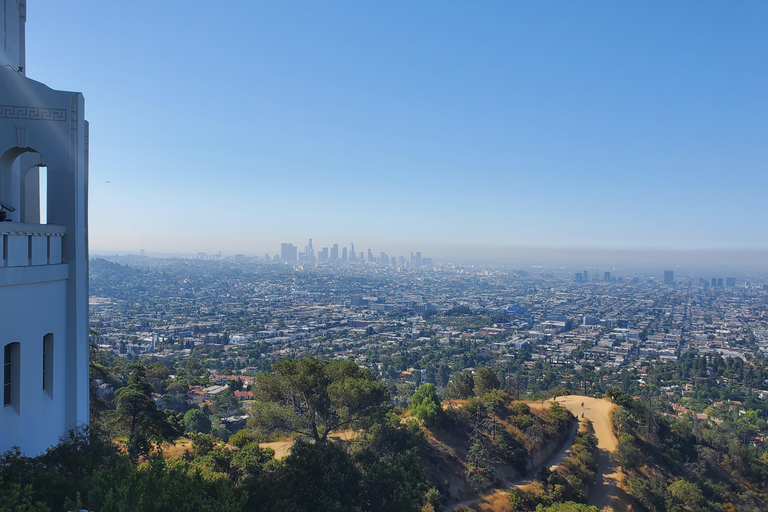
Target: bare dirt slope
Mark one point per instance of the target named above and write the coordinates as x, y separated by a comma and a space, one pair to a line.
607, 494
283, 448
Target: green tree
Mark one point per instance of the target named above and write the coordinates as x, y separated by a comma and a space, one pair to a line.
426, 406
195, 420
688, 494
567, 506
137, 415
461, 386
315, 398
485, 380
318, 477
443, 375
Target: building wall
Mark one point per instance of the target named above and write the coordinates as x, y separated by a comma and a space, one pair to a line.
13, 14
39, 421
42, 126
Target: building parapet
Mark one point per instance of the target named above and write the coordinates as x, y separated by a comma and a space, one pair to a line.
29, 245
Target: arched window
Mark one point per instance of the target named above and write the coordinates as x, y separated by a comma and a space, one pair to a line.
48, 364
11, 368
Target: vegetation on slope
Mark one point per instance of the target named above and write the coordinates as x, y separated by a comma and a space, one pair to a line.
687, 465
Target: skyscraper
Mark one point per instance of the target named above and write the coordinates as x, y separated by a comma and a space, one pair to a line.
335, 253
309, 252
669, 277
288, 253
43, 261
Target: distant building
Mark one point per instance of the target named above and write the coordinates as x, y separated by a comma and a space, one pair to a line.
669, 277
579, 277
730, 281
288, 253
590, 320
607, 276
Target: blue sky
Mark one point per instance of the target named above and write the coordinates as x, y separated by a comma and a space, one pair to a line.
400, 126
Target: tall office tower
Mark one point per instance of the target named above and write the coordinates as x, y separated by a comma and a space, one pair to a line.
585, 276
730, 281
43, 259
579, 277
669, 277
322, 256
309, 252
418, 259
335, 253
720, 282
383, 259
714, 282
352, 253
344, 254
427, 262
401, 261
606, 276
413, 259
370, 255
288, 253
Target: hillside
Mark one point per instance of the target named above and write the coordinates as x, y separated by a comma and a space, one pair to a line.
488, 443
687, 465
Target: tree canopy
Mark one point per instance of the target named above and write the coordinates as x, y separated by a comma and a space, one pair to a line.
137, 415
426, 405
315, 398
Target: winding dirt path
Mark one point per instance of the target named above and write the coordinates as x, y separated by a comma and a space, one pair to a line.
606, 494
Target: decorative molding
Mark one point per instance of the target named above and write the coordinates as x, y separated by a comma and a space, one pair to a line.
21, 136
33, 113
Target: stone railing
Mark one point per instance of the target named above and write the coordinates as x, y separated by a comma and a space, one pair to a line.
30, 245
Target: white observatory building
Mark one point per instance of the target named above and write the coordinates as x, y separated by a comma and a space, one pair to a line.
43, 251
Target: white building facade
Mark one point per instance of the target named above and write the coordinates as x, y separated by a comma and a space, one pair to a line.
43, 261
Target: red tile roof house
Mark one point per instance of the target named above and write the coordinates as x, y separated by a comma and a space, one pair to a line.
243, 395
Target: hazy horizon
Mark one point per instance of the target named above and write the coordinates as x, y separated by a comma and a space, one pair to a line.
685, 262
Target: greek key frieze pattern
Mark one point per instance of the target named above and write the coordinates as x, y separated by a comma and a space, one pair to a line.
32, 113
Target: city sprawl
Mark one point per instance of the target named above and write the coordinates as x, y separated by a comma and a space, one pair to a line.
540, 328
